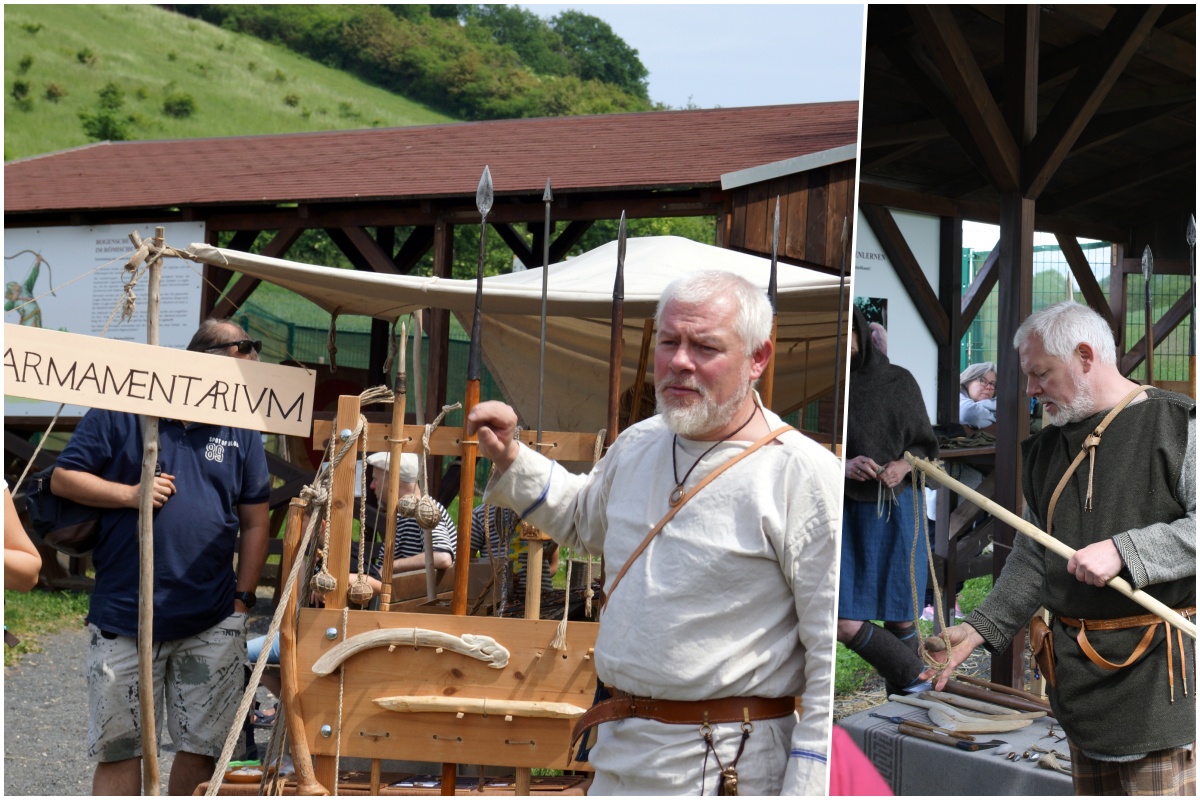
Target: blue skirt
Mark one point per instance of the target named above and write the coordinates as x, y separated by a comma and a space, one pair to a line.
874, 582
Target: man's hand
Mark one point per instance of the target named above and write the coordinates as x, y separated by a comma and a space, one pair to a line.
494, 425
161, 491
963, 639
1096, 564
862, 468
894, 472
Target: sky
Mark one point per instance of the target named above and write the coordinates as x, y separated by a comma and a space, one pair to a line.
738, 55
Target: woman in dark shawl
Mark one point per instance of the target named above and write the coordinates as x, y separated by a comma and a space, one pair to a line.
885, 417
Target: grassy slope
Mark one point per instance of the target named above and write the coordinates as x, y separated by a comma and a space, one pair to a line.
239, 83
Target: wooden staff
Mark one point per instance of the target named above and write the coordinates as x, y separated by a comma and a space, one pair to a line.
639, 385
768, 378
837, 342
484, 196
616, 340
145, 638
307, 784
1151, 604
395, 450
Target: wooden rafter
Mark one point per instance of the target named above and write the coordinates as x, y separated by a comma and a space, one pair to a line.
1120, 180
969, 93
245, 286
1159, 46
1086, 278
908, 270
516, 242
981, 287
1083, 96
418, 243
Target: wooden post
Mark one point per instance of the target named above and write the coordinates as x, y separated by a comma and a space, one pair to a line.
393, 477
150, 772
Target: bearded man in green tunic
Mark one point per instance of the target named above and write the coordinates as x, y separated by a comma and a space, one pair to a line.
1128, 508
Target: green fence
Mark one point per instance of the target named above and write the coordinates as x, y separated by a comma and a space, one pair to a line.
1051, 275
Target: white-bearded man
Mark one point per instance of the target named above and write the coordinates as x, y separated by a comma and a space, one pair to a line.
731, 606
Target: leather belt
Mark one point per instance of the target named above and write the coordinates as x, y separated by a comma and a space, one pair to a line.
623, 705
1148, 621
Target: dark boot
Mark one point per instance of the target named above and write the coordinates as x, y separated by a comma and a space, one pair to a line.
895, 660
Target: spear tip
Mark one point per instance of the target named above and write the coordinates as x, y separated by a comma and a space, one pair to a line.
547, 196
484, 195
1147, 263
1191, 231
621, 241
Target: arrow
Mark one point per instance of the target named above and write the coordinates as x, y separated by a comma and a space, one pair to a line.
1147, 274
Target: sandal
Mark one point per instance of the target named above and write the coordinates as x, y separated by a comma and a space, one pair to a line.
264, 718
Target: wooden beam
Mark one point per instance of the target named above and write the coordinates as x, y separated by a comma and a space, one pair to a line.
245, 286
1086, 278
1168, 322
969, 92
216, 279
569, 237
414, 248
950, 295
516, 242
980, 287
1012, 410
1021, 33
1083, 96
1120, 180
881, 195
1159, 46
1107, 128
376, 258
908, 270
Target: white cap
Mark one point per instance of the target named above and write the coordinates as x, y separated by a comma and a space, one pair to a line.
408, 465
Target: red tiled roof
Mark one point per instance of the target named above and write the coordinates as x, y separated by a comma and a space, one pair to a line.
617, 151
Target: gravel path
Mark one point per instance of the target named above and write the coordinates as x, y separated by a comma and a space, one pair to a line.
46, 714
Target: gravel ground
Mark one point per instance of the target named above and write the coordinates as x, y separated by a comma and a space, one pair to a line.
46, 715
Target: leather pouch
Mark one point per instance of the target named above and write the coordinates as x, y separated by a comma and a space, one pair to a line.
1041, 646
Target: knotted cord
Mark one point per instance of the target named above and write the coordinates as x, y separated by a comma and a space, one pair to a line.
919, 520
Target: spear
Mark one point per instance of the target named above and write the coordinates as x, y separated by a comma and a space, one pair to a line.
768, 384
1147, 274
484, 196
837, 347
614, 351
533, 562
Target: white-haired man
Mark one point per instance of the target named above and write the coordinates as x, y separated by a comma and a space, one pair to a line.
1128, 507
728, 611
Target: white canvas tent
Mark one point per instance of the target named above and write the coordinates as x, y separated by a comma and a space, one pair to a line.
579, 308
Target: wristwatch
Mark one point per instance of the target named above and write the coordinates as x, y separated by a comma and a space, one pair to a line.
248, 598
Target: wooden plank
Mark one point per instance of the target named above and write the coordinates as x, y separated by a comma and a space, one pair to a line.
818, 212
737, 227
908, 270
93, 371
759, 219
556, 445
836, 212
535, 673
794, 235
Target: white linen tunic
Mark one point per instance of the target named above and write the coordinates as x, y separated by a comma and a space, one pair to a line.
734, 597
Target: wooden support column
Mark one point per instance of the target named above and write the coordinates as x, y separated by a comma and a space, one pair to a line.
950, 295
1012, 407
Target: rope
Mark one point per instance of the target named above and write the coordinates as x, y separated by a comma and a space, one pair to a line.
38, 449
918, 487
337, 753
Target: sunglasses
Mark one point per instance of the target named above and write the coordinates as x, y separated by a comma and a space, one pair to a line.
243, 345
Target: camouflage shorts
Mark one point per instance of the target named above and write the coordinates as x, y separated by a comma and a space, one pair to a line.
198, 680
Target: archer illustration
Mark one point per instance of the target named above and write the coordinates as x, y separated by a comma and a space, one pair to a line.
19, 297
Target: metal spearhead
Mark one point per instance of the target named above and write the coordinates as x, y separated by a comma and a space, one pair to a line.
620, 285
1147, 269
547, 196
1191, 240
484, 195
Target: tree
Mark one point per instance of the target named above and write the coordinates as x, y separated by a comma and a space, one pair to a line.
598, 53
107, 123
538, 45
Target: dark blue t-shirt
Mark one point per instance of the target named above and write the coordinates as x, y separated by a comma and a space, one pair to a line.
216, 468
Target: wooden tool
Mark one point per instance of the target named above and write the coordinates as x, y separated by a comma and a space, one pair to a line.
911, 730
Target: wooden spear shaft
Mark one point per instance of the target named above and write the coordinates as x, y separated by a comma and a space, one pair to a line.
150, 772
1151, 604
395, 450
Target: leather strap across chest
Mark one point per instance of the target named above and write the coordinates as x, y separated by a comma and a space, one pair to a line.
684, 500
1089, 451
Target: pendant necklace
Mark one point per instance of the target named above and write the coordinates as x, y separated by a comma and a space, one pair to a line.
677, 493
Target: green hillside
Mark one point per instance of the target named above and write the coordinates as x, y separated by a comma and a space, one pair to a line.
58, 58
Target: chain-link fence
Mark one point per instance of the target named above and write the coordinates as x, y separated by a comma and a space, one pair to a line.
1053, 282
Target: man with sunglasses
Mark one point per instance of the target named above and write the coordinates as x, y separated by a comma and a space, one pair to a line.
212, 481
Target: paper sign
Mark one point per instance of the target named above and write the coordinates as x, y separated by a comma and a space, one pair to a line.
157, 381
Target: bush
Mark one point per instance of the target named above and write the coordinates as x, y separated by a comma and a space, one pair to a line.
107, 123
87, 57
24, 64
55, 92
179, 105
291, 100
20, 93
32, 27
